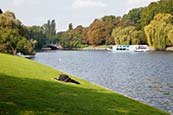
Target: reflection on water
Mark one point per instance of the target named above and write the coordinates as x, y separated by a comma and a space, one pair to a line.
147, 77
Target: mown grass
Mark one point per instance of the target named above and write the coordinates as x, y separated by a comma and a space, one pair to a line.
26, 88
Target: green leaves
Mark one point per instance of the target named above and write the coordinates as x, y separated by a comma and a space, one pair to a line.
36, 33
72, 38
128, 36
49, 29
160, 31
148, 13
11, 35
99, 32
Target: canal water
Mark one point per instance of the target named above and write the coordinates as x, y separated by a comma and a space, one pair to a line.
144, 76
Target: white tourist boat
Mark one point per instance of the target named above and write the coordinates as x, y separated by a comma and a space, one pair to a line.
127, 48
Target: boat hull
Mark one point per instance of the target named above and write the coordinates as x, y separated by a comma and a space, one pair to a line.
128, 48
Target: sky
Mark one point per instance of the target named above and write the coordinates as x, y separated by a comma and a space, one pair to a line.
77, 12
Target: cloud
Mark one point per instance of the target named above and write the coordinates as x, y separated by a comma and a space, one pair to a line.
18, 2
88, 4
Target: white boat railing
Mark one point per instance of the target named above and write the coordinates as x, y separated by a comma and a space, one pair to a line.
134, 48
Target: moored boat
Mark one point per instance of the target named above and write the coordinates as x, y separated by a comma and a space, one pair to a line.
25, 56
124, 48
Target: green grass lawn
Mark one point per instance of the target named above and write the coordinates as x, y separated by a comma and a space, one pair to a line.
27, 88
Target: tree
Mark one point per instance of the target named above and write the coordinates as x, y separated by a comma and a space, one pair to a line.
160, 31
134, 16
70, 27
11, 35
99, 32
36, 33
148, 13
72, 38
110, 22
128, 36
12, 42
49, 29
95, 33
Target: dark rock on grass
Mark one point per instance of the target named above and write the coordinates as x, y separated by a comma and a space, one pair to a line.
66, 78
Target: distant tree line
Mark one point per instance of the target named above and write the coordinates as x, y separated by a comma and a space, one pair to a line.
145, 25
15, 37
44, 35
152, 25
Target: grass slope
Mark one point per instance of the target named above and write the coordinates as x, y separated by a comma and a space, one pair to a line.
26, 88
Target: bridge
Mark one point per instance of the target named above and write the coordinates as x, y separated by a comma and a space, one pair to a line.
53, 46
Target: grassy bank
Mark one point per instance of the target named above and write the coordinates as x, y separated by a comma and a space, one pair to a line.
26, 88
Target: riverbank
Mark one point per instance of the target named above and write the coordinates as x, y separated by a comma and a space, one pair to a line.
91, 47
27, 88
97, 48
104, 48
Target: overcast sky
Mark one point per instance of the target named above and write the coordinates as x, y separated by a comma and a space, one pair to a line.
78, 12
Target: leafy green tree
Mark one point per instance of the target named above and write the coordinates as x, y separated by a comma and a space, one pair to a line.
134, 16
36, 33
170, 37
72, 38
11, 42
11, 35
49, 29
110, 22
148, 13
122, 35
128, 36
160, 31
99, 32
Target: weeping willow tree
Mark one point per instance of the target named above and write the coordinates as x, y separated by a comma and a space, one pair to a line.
170, 37
160, 31
128, 36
